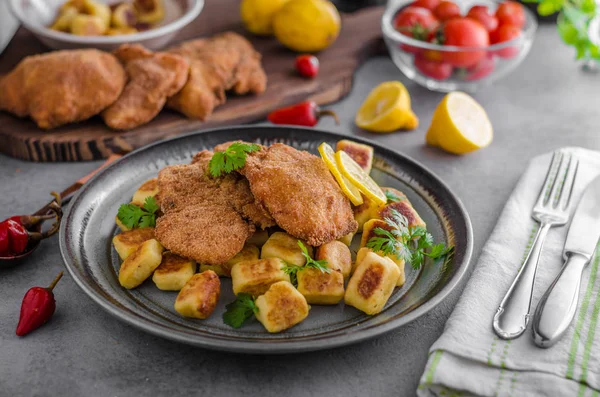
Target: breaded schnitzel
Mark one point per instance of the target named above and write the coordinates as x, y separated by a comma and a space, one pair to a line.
206, 219
300, 193
224, 62
62, 87
153, 77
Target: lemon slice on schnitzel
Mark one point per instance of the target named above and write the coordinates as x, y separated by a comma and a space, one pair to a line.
347, 187
359, 178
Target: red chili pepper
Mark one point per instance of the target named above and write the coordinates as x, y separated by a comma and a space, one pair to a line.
17, 236
4, 241
305, 113
37, 308
307, 65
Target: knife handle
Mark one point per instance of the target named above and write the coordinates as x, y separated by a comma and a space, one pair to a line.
512, 316
557, 307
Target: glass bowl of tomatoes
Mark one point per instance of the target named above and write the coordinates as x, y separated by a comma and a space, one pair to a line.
447, 46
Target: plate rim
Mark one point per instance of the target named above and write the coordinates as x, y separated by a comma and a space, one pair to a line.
279, 346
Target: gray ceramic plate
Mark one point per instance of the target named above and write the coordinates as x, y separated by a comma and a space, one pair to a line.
88, 227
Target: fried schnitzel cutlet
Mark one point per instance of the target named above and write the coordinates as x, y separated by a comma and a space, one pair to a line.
62, 87
224, 62
299, 192
206, 219
153, 77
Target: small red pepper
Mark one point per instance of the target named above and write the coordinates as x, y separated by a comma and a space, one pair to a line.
305, 113
17, 236
4, 241
307, 65
37, 308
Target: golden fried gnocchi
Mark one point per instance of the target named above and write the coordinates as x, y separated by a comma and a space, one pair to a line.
148, 189
127, 242
321, 288
173, 272
255, 277
121, 225
368, 233
281, 307
372, 283
248, 253
337, 255
282, 245
199, 296
347, 239
140, 264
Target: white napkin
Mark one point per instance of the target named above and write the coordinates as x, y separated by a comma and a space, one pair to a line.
469, 359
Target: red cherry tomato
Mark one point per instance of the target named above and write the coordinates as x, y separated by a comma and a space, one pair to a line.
464, 32
482, 15
429, 4
307, 65
435, 69
511, 13
502, 34
481, 69
415, 22
446, 10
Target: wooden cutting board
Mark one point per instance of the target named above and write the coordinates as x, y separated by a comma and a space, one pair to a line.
359, 39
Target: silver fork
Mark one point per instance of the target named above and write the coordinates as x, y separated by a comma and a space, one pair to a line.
551, 209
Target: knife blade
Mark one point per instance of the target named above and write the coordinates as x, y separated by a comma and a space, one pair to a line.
558, 305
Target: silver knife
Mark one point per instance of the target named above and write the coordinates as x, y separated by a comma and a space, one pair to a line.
557, 307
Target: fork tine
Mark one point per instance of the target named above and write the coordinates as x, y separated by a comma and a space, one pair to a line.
557, 183
542, 197
567, 191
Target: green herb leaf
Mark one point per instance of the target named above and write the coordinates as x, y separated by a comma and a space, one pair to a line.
321, 265
133, 216
240, 310
292, 271
233, 158
404, 242
392, 197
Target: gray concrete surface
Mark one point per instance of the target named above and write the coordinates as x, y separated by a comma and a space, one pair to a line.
545, 104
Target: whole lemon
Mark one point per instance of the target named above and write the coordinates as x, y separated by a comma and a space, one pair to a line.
257, 15
307, 25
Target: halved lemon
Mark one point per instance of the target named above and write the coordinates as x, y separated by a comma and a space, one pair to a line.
347, 187
387, 109
459, 125
359, 178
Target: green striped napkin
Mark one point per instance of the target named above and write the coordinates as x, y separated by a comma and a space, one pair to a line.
470, 360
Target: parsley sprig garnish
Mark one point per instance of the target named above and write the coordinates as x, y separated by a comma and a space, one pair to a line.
240, 310
409, 243
133, 216
233, 158
292, 270
392, 197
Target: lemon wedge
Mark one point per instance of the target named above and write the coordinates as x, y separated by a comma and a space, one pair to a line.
347, 187
459, 125
387, 109
359, 178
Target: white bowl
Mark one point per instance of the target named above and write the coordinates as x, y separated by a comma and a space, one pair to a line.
37, 15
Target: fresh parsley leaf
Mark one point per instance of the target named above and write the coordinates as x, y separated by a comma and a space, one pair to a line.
410, 243
392, 197
292, 270
133, 216
240, 310
233, 158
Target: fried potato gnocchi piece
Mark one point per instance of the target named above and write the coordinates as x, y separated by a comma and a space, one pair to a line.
372, 283
368, 232
127, 242
248, 253
337, 255
365, 212
140, 264
255, 277
199, 296
347, 239
281, 307
283, 246
405, 208
121, 225
359, 152
259, 238
147, 189
173, 272
320, 288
